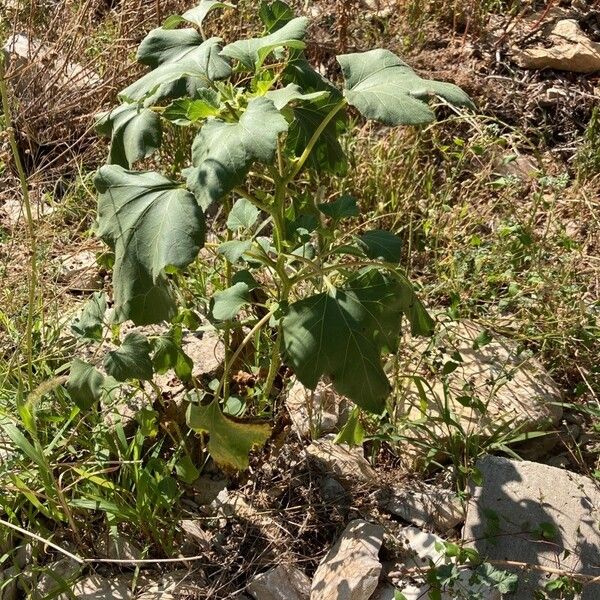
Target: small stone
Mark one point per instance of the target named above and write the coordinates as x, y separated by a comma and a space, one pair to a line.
350, 570
79, 272
283, 582
535, 514
333, 492
174, 586
193, 530
8, 583
57, 576
95, 587
206, 350
119, 547
315, 413
423, 505
347, 465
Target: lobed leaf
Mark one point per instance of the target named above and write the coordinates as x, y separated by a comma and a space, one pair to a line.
230, 440
384, 88
168, 354
222, 153
86, 385
228, 302
242, 215
197, 14
90, 323
135, 133
344, 206
131, 360
152, 225
381, 244
275, 15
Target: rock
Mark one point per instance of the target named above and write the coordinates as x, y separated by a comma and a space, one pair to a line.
498, 385
385, 591
206, 350
174, 586
534, 513
571, 50
316, 412
350, 570
423, 505
8, 584
346, 464
79, 272
195, 532
119, 547
57, 576
333, 492
96, 587
12, 213
283, 582
521, 166
208, 486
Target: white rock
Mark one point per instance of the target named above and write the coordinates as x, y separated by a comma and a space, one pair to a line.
95, 587
284, 582
315, 413
520, 501
350, 570
346, 464
79, 271
174, 586
119, 547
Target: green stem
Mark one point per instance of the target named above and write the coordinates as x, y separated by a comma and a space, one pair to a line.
29, 215
273, 366
314, 139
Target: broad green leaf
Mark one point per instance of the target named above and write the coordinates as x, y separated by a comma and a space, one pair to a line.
168, 354
384, 88
184, 111
275, 15
197, 14
230, 440
90, 322
131, 360
222, 152
325, 335
353, 432
292, 93
227, 303
242, 215
152, 225
135, 133
86, 385
381, 244
195, 71
234, 249
167, 45
246, 277
186, 470
147, 419
252, 52
344, 206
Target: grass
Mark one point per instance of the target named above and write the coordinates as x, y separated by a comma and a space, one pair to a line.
517, 253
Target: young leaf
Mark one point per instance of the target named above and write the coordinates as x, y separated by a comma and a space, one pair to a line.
252, 52
275, 15
344, 206
234, 249
222, 152
184, 111
169, 355
135, 133
242, 215
292, 93
131, 360
195, 71
197, 14
230, 440
86, 385
384, 88
353, 432
381, 244
151, 224
89, 324
227, 303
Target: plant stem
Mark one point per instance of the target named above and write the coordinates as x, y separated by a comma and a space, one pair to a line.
274, 365
315, 137
29, 215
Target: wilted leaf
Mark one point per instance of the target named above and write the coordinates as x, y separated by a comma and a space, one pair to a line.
230, 440
151, 224
383, 87
131, 360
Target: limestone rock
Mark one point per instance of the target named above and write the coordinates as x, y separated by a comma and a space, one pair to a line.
423, 505
571, 50
494, 385
350, 570
119, 547
316, 412
174, 586
283, 582
79, 272
345, 464
96, 587
533, 513
57, 576
193, 530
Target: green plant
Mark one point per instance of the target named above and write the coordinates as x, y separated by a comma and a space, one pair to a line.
260, 121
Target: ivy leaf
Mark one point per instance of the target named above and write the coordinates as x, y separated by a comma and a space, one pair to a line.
292, 93
131, 360
185, 111
275, 15
384, 88
234, 249
227, 303
230, 439
344, 206
252, 52
86, 385
152, 225
381, 244
89, 324
222, 153
175, 77
242, 215
135, 133
169, 355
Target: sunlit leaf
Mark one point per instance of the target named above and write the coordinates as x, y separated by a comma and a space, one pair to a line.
227, 303
90, 322
86, 385
131, 360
